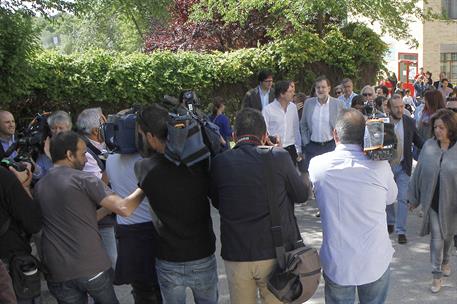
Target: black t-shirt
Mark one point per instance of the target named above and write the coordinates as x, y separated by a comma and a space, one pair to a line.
179, 197
23, 212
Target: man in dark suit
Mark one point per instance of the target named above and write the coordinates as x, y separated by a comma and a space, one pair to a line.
261, 95
438, 84
241, 197
401, 164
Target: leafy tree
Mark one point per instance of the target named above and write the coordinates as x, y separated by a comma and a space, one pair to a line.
18, 42
394, 15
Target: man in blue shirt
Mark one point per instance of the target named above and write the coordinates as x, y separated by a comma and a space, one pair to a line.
348, 92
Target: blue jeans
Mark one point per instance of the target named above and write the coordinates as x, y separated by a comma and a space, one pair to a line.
371, 293
109, 243
439, 247
200, 276
402, 180
100, 288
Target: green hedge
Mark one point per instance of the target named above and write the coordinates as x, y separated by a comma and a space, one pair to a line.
117, 80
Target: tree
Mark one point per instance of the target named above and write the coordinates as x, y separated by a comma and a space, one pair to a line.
182, 33
18, 43
394, 16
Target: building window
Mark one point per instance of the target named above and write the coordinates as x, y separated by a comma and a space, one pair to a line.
448, 65
449, 8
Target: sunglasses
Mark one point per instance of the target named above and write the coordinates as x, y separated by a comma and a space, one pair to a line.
367, 94
338, 92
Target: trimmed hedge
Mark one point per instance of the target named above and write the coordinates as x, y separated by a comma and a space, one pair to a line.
118, 80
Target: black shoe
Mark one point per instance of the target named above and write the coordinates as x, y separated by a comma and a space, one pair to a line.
390, 228
402, 239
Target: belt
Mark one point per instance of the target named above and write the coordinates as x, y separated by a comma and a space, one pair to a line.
322, 143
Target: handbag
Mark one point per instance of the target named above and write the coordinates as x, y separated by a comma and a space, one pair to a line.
26, 276
298, 272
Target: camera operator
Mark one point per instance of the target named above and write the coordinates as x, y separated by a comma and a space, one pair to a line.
7, 138
179, 197
20, 215
88, 123
134, 267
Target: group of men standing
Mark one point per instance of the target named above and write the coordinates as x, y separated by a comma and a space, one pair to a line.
351, 190
356, 248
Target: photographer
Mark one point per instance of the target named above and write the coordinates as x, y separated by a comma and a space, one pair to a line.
20, 215
7, 130
247, 249
58, 121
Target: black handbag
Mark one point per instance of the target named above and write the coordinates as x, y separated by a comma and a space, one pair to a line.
297, 275
26, 276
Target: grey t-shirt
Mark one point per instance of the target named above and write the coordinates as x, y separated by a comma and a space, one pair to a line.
71, 244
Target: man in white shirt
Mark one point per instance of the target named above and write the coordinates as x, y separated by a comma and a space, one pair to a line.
318, 121
281, 118
352, 192
348, 92
89, 125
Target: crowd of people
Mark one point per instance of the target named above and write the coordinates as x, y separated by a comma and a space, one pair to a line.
100, 219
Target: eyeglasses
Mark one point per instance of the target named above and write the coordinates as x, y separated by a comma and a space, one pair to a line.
367, 94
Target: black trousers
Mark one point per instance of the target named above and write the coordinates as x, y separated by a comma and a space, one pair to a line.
314, 149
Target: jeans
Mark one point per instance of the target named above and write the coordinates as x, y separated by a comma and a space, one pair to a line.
439, 248
100, 288
109, 243
402, 180
371, 293
199, 275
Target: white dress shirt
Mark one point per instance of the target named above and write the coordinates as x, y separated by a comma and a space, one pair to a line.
91, 165
264, 97
352, 192
282, 123
321, 122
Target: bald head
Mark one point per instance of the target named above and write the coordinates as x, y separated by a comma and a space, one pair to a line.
7, 125
350, 127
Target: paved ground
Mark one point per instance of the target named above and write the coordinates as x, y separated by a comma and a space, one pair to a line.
411, 269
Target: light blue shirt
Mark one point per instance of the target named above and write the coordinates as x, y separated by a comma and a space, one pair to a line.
120, 170
264, 97
6, 144
352, 192
347, 101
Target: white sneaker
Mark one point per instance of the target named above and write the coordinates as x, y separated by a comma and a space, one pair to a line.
436, 285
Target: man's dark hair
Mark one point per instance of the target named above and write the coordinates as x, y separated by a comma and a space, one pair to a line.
264, 74
350, 127
250, 122
63, 142
323, 78
394, 96
281, 87
378, 101
385, 90
153, 119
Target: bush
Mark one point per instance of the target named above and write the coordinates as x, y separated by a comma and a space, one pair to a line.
118, 80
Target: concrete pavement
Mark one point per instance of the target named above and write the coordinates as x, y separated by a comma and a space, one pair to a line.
410, 276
